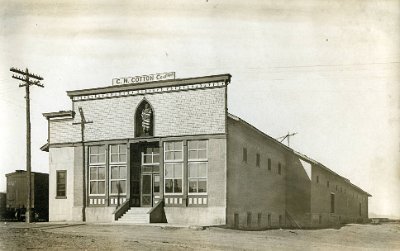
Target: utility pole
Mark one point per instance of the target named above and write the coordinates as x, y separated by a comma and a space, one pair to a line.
27, 82
288, 135
82, 123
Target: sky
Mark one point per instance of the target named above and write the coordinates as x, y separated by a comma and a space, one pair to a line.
328, 70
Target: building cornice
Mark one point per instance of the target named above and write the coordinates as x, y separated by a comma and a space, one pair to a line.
150, 87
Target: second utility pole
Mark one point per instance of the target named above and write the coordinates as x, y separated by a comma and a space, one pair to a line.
82, 124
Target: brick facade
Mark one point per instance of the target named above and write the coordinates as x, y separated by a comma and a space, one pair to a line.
189, 112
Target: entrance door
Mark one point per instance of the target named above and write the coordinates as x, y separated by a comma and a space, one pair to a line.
147, 190
150, 189
150, 175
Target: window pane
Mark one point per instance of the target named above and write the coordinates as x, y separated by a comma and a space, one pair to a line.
102, 158
122, 172
202, 144
114, 149
101, 173
93, 187
168, 186
94, 159
122, 149
94, 149
177, 170
193, 170
114, 158
156, 184
122, 186
177, 155
202, 154
93, 173
147, 159
102, 187
202, 170
177, 185
192, 145
114, 187
102, 149
202, 186
61, 177
114, 172
122, 158
169, 170
169, 155
193, 186
192, 154
168, 146
156, 150
178, 145
156, 158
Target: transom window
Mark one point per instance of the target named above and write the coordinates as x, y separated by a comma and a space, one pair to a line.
197, 150
97, 170
173, 151
118, 154
151, 156
197, 166
97, 155
173, 167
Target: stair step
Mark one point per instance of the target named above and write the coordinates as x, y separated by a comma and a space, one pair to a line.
136, 215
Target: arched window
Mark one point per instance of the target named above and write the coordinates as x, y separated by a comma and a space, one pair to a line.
144, 120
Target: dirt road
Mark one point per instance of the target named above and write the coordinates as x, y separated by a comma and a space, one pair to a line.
21, 236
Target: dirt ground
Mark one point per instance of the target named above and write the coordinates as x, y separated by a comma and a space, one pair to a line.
39, 236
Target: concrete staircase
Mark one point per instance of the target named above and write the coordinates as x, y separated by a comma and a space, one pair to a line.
136, 215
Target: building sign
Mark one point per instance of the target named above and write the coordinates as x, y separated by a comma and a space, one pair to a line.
144, 78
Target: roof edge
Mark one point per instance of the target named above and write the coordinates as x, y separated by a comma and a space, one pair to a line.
59, 114
302, 156
154, 84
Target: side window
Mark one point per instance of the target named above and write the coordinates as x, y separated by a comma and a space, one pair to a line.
61, 181
245, 154
258, 160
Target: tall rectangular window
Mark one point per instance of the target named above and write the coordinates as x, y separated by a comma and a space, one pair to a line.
279, 168
258, 160
97, 170
248, 219
118, 169
61, 181
269, 164
332, 203
245, 154
197, 166
173, 167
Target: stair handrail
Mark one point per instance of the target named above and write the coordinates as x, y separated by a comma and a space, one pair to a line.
121, 209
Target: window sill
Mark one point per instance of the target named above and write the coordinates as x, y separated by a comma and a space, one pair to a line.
61, 197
